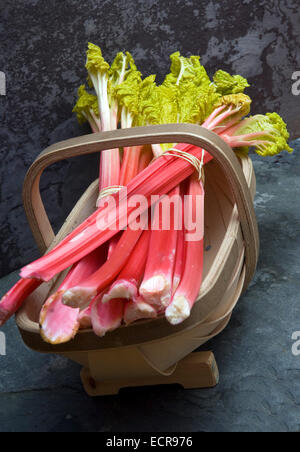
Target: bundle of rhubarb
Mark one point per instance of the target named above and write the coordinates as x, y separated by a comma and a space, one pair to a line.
127, 261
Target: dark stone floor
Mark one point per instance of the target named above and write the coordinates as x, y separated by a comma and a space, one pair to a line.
260, 377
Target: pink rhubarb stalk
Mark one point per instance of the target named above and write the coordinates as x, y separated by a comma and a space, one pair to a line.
126, 285
134, 161
189, 287
16, 296
109, 317
159, 178
251, 139
106, 317
81, 295
130, 164
179, 263
156, 288
99, 77
130, 277
146, 158
60, 323
109, 169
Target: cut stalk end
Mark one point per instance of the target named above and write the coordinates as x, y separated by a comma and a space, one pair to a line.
178, 311
28, 273
58, 323
78, 297
156, 291
106, 317
138, 311
122, 289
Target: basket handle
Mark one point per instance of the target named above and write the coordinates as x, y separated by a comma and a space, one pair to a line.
171, 133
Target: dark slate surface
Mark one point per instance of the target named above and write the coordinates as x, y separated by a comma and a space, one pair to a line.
260, 377
43, 45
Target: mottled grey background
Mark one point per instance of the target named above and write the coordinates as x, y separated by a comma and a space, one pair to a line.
42, 52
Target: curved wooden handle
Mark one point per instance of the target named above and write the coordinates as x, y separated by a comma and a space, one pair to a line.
172, 133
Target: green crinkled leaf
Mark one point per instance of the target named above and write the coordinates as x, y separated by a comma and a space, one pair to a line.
122, 66
195, 103
159, 106
279, 124
208, 98
242, 102
187, 100
192, 89
134, 92
127, 92
272, 135
95, 61
147, 88
85, 103
183, 69
229, 84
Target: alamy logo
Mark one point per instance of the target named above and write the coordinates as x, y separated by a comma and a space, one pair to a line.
2, 344
2, 84
296, 85
168, 213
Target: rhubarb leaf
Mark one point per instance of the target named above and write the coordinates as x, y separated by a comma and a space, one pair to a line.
122, 66
267, 134
195, 94
86, 104
160, 106
240, 102
96, 64
229, 84
195, 103
183, 69
133, 94
128, 93
98, 72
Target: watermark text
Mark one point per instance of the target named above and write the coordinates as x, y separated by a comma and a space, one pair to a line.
2, 84
168, 213
2, 344
296, 345
296, 85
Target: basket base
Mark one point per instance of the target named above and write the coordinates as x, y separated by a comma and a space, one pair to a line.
197, 370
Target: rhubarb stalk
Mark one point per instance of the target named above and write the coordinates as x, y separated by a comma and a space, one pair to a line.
156, 288
179, 263
14, 299
106, 317
159, 178
189, 287
98, 70
126, 286
146, 158
130, 164
60, 323
127, 283
81, 295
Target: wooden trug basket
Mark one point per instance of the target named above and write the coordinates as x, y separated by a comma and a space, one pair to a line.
152, 351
